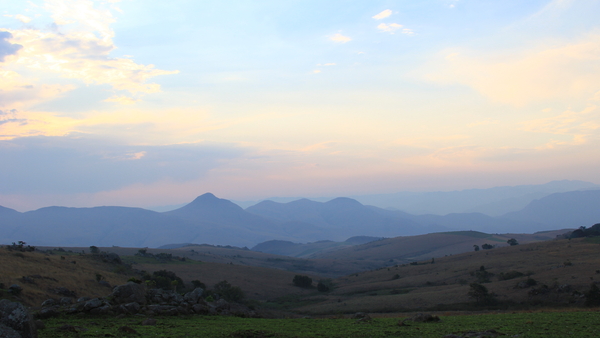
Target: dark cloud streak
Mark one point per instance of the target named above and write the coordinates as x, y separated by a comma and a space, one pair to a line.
7, 48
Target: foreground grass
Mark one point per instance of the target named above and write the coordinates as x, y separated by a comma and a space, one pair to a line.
549, 324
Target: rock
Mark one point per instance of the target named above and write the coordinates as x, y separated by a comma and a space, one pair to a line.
7, 332
192, 297
14, 317
93, 304
423, 318
200, 309
131, 308
15, 289
48, 312
360, 315
102, 310
149, 321
221, 305
83, 299
66, 301
111, 258
49, 302
64, 292
129, 293
105, 283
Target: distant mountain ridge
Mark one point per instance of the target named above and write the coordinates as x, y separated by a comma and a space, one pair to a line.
211, 220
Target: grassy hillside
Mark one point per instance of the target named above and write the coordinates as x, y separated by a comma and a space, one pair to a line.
566, 268
44, 273
401, 250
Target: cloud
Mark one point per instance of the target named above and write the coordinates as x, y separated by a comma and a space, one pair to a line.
7, 48
340, 38
390, 28
382, 15
84, 164
567, 71
408, 31
121, 99
578, 126
20, 17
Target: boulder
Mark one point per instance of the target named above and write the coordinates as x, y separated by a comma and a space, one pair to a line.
7, 332
131, 308
92, 304
15, 318
129, 293
192, 297
49, 302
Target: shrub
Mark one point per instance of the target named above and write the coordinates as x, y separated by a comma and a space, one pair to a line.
396, 276
325, 285
509, 275
198, 284
482, 275
592, 297
512, 242
164, 279
481, 295
94, 249
486, 246
229, 292
302, 281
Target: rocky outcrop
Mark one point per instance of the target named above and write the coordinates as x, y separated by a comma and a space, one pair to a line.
129, 293
15, 321
133, 298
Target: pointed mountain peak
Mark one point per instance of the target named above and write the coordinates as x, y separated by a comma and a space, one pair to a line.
206, 197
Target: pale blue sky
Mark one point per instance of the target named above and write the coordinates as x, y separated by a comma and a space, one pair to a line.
152, 103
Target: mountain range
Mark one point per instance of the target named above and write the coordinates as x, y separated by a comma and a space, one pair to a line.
212, 220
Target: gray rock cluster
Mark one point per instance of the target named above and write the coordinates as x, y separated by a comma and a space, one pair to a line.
133, 298
16, 321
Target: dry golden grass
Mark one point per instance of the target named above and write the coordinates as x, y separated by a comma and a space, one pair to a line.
256, 282
429, 285
79, 277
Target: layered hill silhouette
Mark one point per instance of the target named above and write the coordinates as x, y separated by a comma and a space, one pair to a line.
212, 220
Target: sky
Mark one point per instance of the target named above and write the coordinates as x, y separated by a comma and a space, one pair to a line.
146, 103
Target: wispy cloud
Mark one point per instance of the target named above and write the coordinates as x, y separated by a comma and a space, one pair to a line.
390, 28
340, 38
383, 14
121, 99
20, 17
560, 71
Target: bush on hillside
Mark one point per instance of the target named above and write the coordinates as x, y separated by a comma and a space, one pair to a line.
163, 279
592, 297
481, 295
325, 285
228, 292
509, 275
302, 281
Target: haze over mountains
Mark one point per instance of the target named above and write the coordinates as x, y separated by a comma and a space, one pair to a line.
211, 220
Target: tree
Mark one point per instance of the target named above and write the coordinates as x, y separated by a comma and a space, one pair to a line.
325, 285
229, 292
486, 246
94, 249
481, 294
198, 284
476, 247
512, 242
592, 297
302, 281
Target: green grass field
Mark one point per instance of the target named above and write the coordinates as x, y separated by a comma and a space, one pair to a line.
540, 324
